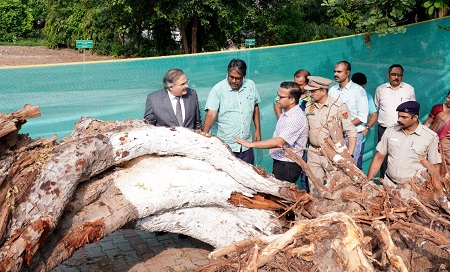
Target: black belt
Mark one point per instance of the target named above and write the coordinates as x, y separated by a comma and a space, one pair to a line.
391, 179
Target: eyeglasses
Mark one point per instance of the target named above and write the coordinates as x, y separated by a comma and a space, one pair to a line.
281, 97
396, 74
235, 78
184, 84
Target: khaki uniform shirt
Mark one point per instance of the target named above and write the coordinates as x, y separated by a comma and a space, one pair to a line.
403, 151
318, 119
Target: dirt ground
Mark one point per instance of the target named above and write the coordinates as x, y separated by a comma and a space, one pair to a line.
38, 55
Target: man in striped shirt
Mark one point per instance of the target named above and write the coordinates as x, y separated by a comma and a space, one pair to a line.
291, 131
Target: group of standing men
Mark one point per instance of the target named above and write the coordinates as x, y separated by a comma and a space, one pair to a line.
304, 109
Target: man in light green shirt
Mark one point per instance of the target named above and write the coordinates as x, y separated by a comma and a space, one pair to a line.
231, 106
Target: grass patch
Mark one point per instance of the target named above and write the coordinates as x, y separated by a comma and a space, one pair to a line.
24, 42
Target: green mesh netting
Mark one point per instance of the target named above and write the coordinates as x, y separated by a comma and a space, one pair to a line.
117, 90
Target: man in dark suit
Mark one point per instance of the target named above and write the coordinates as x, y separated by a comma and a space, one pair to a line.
175, 105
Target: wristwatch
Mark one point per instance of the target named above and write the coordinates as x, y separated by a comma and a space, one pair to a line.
368, 127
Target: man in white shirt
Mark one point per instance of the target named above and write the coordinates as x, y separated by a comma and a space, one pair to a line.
388, 97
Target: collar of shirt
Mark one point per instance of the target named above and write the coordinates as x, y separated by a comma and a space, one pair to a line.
346, 87
171, 96
291, 111
240, 89
330, 100
417, 131
400, 86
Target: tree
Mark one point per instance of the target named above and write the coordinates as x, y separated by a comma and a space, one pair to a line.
16, 20
283, 22
436, 8
382, 16
56, 197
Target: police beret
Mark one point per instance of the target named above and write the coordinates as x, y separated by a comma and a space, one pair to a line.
316, 82
409, 107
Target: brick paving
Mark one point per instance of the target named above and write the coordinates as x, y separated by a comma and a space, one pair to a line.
136, 250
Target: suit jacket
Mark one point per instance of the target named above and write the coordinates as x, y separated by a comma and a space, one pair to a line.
159, 111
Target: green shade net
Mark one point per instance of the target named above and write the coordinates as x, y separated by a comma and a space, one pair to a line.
117, 90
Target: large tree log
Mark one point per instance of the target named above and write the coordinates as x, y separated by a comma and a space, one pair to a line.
56, 197
167, 177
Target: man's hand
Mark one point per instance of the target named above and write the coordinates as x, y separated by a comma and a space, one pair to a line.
257, 136
364, 132
243, 142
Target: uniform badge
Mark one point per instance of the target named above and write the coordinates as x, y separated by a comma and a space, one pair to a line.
345, 115
310, 110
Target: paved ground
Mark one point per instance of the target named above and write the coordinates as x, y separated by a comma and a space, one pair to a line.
135, 250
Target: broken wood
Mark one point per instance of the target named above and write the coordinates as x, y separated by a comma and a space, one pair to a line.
56, 197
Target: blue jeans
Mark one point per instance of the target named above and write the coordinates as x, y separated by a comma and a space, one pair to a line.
359, 149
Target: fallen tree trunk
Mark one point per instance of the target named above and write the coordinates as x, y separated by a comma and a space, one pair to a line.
162, 179
56, 197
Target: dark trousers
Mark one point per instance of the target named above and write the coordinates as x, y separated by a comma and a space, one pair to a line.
287, 171
304, 185
383, 168
246, 156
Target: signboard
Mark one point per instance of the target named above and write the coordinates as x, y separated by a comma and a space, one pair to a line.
250, 42
84, 44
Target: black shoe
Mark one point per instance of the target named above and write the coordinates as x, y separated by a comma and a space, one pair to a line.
182, 236
160, 233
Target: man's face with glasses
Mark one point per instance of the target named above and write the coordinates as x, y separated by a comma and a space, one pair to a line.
235, 80
180, 86
395, 76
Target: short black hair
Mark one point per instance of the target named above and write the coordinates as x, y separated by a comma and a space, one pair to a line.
239, 66
395, 65
359, 78
346, 64
305, 73
294, 89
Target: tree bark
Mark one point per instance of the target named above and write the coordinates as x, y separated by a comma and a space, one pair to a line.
167, 179
183, 36
56, 197
195, 24
332, 242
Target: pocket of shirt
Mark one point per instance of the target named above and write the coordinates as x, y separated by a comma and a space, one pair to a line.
393, 146
416, 151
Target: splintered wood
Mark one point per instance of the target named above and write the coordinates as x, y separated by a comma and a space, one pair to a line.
332, 242
56, 197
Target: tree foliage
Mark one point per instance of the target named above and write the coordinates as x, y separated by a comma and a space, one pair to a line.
16, 20
381, 16
282, 22
158, 27
437, 8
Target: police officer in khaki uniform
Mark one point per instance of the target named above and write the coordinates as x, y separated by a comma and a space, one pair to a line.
319, 111
403, 143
